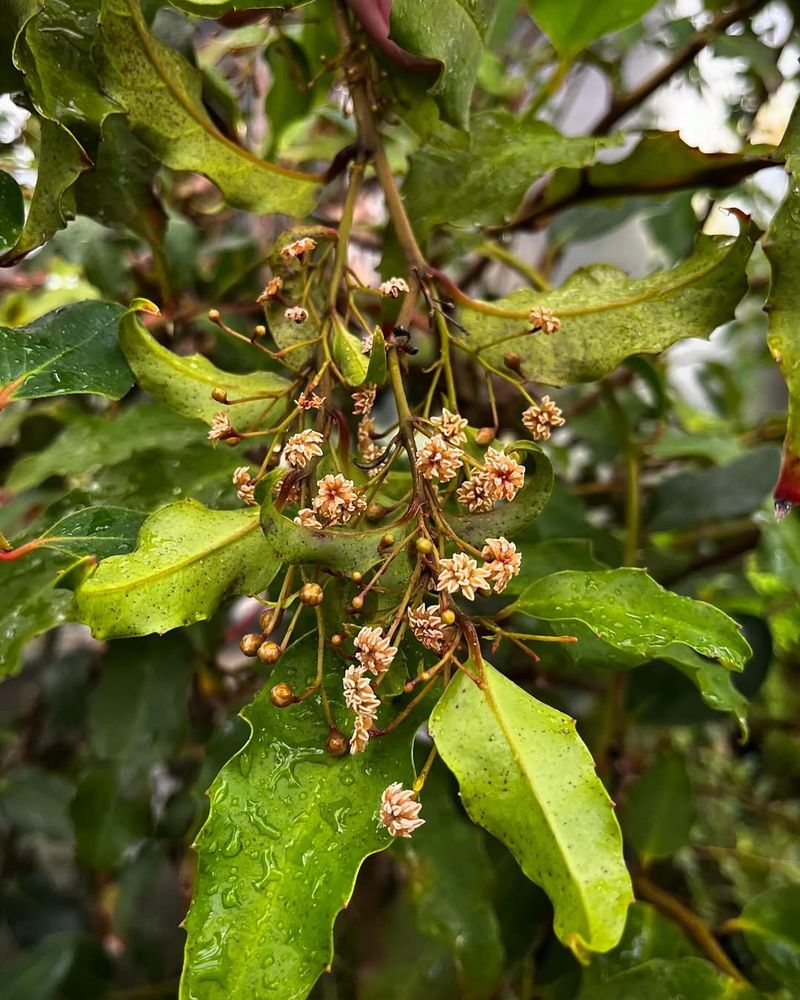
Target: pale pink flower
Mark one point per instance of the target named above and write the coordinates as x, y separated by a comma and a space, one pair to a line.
360, 737
400, 810
393, 287
504, 476
474, 494
502, 561
296, 314
540, 418
438, 459
221, 427
306, 518
271, 291
462, 572
375, 653
366, 446
429, 629
358, 694
245, 487
541, 318
364, 400
337, 500
302, 447
451, 426
298, 248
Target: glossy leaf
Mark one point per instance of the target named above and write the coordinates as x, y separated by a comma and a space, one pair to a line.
107, 820
771, 927
70, 350
377, 371
40, 971
12, 212
289, 828
185, 382
348, 355
658, 810
607, 316
451, 31
448, 185
574, 25
95, 531
630, 611
188, 559
160, 93
526, 776
667, 979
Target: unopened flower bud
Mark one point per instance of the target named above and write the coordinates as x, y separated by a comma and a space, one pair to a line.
269, 652
356, 577
337, 639
250, 642
213, 315
448, 616
376, 512
357, 603
270, 619
311, 594
386, 542
424, 546
281, 695
260, 330
513, 361
485, 435
219, 394
232, 440
336, 743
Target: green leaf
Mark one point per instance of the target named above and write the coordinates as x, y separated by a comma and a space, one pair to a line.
509, 519
377, 371
93, 441
628, 610
39, 972
451, 31
289, 828
667, 979
137, 713
107, 821
348, 355
70, 350
447, 185
216, 8
95, 531
526, 776
659, 809
160, 92
607, 316
187, 561
574, 25
771, 927
35, 801
12, 212
185, 382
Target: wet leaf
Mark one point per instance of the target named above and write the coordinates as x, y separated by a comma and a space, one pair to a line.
526, 776
185, 382
771, 927
70, 350
289, 828
658, 808
666, 979
160, 93
188, 559
95, 531
628, 610
572, 26
12, 211
607, 316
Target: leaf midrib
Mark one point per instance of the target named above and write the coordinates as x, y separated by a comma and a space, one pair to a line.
53, 358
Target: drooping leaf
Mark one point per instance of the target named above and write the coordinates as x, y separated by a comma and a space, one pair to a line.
70, 350
607, 316
667, 979
188, 559
448, 185
160, 93
574, 25
93, 441
451, 31
771, 927
185, 382
107, 819
659, 808
377, 371
628, 610
12, 212
526, 776
288, 830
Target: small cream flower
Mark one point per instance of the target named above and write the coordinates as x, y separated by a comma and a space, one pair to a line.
393, 287
543, 319
375, 653
309, 400
271, 290
502, 561
337, 500
400, 811
302, 447
451, 426
221, 427
364, 400
358, 694
438, 459
541, 418
360, 737
296, 314
462, 573
306, 518
504, 476
474, 494
298, 248
429, 629
366, 446
245, 487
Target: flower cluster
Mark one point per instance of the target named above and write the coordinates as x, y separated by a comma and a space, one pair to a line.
428, 628
438, 459
245, 487
542, 417
362, 700
337, 502
543, 319
221, 427
375, 651
451, 426
400, 811
302, 447
296, 314
500, 477
298, 248
393, 287
462, 573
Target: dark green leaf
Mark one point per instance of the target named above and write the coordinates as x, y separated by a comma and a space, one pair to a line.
12, 211
36, 801
665, 979
107, 822
38, 973
659, 809
289, 828
526, 776
95, 531
771, 927
574, 25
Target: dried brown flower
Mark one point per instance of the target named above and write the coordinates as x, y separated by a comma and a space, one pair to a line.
296, 314
364, 400
298, 248
271, 290
309, 400
541, 318
393, 287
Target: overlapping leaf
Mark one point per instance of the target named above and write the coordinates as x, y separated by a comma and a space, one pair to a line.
771, 926
526, 776
666, 979
572, 26
607, 316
